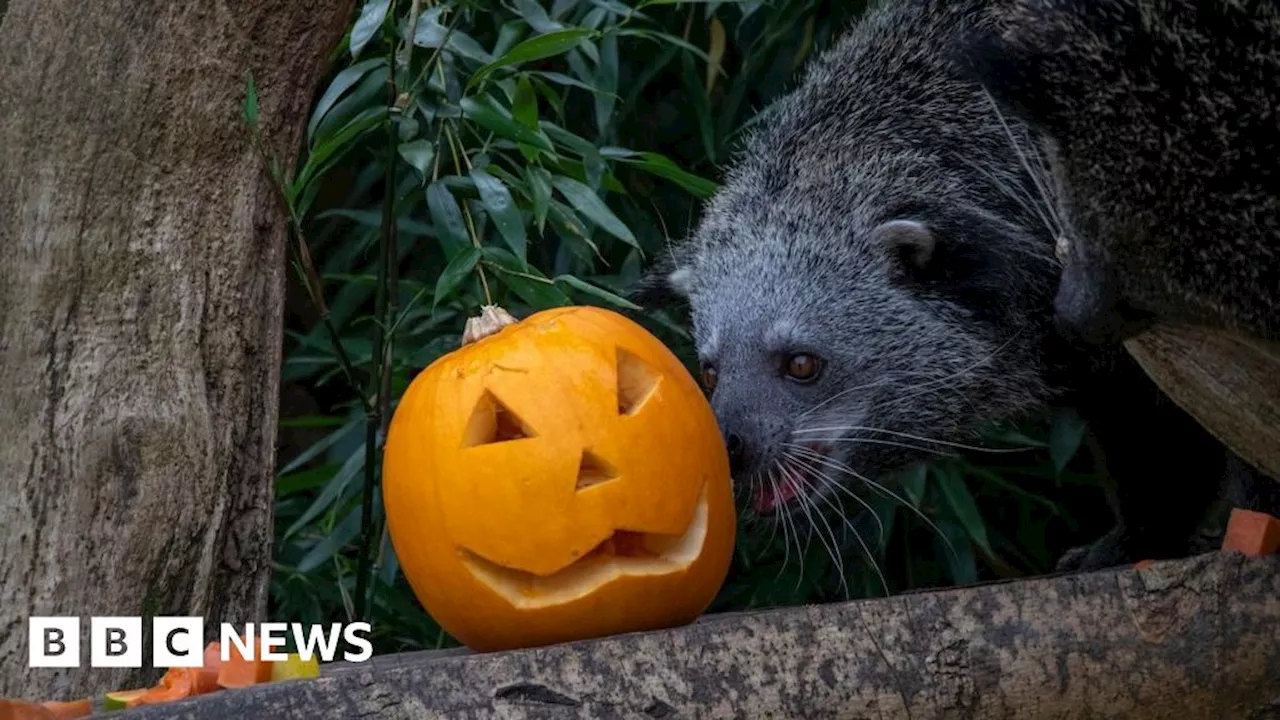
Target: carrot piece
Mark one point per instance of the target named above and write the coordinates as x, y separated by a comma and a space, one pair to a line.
207, 676
1252, 533
11, 709
69, 710
176, 684
237, 671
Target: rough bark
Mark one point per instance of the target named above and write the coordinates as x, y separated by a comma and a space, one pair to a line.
142, 259
1228, 383
1185, 640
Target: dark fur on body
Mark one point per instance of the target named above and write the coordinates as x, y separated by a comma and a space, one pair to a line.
1164, 117
929, 335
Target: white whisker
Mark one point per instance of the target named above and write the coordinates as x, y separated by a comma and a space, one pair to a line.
786, 557
806, 499
840, 488
862, 428
1054, 220
837, 465
839, 509
890, 443
947, 378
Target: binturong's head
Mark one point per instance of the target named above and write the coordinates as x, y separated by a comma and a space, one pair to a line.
874, 280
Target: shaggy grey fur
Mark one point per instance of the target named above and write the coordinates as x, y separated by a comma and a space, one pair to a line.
1165, 119
887, 218
787, 257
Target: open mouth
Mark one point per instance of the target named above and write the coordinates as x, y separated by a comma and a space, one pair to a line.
770, 496
792, 480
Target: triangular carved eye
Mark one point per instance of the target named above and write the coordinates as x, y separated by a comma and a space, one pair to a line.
593, 470
636, 383
493, 422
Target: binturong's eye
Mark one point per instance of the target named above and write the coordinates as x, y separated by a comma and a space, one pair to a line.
709, 377
803, 367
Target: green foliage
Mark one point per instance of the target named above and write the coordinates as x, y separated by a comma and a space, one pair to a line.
535, 153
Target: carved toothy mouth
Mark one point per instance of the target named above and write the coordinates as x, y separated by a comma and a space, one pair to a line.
624, 553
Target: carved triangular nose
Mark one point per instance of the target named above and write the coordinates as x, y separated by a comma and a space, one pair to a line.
594, 470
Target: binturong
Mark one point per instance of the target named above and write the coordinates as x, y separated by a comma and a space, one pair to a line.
1162, 122
874, 283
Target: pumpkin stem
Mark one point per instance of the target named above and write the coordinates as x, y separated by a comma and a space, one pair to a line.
492, 319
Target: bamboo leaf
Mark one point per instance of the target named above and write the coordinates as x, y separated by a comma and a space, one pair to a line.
582, 285
536, 16
716, 48
455, 273
338, 144
664, 167
343, 82
537, 47
1065, 435
528, 283
419, 154
316, 450
501, 207
647, 3
913, 483
539, 182
371, 18
446, 217
489, 115
962, 564
333, 490
585, 201
607, 79
431, 34
562, 79
304, 480
964, 506
665, 38
331, 542
525, 105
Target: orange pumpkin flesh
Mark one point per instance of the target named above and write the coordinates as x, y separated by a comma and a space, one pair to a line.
178, 683
561, 479
13, 709
239, 672
207, 673
66, 710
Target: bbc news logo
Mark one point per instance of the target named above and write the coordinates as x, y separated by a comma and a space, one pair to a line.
117, 642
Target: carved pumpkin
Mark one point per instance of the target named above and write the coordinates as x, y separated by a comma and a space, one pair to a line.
557, 479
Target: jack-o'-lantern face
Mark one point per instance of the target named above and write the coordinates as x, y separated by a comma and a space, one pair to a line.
563, 478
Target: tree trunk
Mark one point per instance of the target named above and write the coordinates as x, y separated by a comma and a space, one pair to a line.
142, 259
1195, 639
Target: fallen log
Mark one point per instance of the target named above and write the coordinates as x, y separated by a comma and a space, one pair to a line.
1188, 639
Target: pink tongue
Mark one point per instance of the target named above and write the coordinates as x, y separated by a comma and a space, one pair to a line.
769, 498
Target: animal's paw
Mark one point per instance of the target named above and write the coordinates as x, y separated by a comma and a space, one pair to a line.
1111, 550
1122, 547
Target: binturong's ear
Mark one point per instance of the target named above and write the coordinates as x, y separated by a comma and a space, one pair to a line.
909, 242
668, 282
